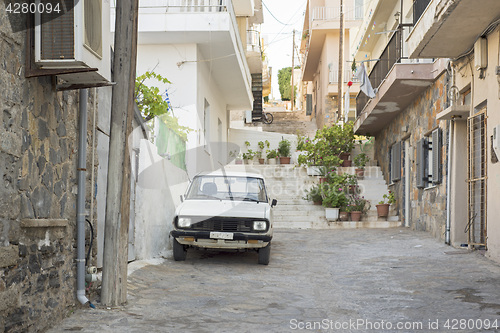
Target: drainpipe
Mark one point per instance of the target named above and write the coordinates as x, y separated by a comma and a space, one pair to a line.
80, 199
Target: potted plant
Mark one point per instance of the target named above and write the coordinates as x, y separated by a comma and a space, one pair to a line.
314, 194
262, 145
344, 213
359, 206
284, 151
334, 197
383, 205
360, 162
271, 156
346, 143
248, 156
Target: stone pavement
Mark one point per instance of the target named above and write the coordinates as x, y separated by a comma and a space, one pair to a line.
365, 280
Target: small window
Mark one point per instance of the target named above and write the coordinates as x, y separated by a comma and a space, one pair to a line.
395, 162
429, 162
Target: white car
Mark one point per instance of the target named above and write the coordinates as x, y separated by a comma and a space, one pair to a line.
227, 211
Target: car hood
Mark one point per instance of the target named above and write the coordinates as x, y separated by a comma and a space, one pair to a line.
225, 208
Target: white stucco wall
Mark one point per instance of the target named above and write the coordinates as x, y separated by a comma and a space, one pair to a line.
158, 191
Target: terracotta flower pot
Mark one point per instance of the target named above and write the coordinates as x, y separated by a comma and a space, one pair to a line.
356, 216
284, 160
346, 163
344, 216
322, 180
360, 173
261, 161
317, 203
383, 210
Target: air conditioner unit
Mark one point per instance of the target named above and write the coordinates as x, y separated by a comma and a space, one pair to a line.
79, 38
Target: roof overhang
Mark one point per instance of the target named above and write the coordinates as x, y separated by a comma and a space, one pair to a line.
448, 29
403, 84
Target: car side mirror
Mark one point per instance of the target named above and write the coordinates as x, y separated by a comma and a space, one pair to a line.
274, 202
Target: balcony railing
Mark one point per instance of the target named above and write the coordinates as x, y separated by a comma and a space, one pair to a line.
333, 76
419, 7
333, 13
253, 41
183, 6
391, 55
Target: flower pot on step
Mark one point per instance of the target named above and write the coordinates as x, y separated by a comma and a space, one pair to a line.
284, 160
360, 173
322, 180
271, 161
261, 161
383, 210
344, 216
346, 163
332, 214
356, 216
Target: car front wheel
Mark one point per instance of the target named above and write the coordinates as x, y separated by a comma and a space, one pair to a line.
180, 251
265, 254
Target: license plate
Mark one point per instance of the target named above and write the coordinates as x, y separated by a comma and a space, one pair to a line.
221, 235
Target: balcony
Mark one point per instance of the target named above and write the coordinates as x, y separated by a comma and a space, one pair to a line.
319, 22
398, 81
254, 51
212, 26
448, 29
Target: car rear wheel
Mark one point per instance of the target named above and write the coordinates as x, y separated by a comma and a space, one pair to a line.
265, 254
180, 251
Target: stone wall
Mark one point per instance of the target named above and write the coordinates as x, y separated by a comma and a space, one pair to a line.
38, 153
427, 206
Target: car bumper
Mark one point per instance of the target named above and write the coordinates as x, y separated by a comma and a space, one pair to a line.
239, 241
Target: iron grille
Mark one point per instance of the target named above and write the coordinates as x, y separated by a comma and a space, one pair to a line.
477, 175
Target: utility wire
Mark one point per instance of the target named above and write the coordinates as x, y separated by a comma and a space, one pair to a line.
273, 15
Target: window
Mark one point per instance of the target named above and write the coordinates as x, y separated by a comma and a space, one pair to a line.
429, 162
395, 162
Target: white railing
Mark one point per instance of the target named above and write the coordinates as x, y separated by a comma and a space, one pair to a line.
253, 40
183, 6
333, 13
333, 76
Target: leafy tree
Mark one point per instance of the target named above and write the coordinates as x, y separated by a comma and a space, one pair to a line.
284, 82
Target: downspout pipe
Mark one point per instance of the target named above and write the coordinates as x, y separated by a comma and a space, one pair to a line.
80, 198
453, 95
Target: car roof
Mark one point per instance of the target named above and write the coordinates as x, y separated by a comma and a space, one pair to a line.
230, 174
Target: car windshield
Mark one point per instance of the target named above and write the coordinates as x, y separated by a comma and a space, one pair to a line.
227, 188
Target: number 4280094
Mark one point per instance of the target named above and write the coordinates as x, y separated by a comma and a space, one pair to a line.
471, 324
33, 8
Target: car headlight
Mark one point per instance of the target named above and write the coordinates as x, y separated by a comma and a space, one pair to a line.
184, 222
259, 225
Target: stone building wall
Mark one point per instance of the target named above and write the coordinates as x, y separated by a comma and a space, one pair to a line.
427, 206
38, 154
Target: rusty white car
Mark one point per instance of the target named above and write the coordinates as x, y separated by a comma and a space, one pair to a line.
225, 211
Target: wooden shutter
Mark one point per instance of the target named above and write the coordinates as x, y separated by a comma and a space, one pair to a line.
396, 162
437, 144
420, 163
309, 104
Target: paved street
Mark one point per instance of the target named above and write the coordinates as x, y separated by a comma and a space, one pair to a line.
335, 280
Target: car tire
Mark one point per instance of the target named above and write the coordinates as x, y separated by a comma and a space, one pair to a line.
180, 251
265, 254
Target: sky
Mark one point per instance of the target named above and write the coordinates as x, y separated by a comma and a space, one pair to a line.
278, 31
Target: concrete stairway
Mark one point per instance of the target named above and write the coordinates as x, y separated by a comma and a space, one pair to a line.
288, 184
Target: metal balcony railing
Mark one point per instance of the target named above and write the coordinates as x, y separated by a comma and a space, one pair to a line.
184, 6
392, 55
419, 7
333, 76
